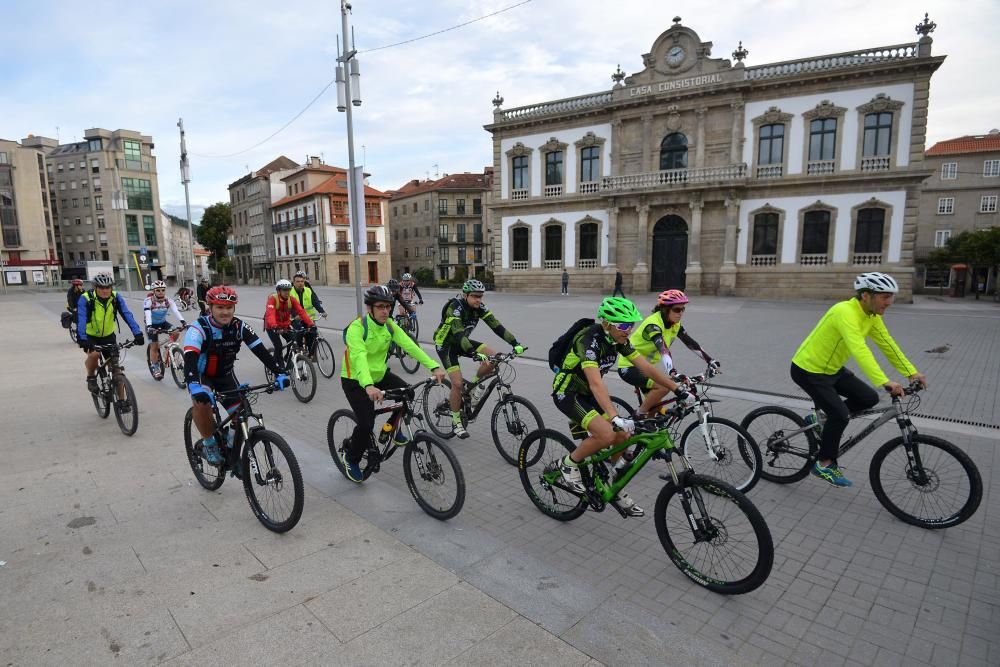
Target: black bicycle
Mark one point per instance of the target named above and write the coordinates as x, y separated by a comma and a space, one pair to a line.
114, 389
409, 324
301, 370
922, 480
432, 471
513, 418
260, 458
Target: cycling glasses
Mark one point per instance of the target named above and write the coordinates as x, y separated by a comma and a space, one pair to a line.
678, 309
224, 297
623, 326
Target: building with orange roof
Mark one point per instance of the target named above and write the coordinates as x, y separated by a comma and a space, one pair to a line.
312, 231
961, 195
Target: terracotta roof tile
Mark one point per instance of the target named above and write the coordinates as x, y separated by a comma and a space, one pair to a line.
329, 186
973, 143
464, 181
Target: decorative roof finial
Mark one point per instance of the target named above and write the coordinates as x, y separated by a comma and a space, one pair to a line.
740, 53
927, 27
677, 20
497, 101
618, 76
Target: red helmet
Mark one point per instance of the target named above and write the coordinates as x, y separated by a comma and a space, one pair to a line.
671, 297
221, 296
77, 282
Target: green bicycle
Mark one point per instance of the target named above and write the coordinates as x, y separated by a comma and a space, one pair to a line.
713, 533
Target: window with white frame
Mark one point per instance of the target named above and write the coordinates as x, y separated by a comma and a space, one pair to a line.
991, 168
946, 205
988, 204
949, 171
941, 237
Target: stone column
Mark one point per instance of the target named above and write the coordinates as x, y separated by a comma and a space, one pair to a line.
727, 274
608, 279
693, 272
615, 154
699, 154
736, 148
647, 143
640, 274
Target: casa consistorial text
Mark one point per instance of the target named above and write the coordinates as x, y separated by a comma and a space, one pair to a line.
665, 86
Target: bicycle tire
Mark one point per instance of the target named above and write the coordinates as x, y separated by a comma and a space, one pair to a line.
261, 472
552, 446
422, 463
199, 466
437, 409
784, 461
72, 333
101, 402
326, 362
409, 364
128, 421
722, 505
304, 384
339, 427
932, 456
177, 367
508, 419
623, 406
739, 461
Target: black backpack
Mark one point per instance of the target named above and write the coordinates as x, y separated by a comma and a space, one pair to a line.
560, 348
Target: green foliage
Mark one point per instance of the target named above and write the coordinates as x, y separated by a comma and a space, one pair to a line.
225, 267
214, 229
461, 274
424, 276
980, 249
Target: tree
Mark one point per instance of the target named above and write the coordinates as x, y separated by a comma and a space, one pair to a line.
424, 276
214, 230
979, 249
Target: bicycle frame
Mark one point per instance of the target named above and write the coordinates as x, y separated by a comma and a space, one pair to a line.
495, 379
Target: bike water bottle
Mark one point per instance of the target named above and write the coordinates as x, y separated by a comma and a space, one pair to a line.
383, 437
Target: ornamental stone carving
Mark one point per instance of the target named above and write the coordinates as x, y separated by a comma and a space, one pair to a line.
880, 103
519, 150
772, 116
552, 145
589, 140
825, 109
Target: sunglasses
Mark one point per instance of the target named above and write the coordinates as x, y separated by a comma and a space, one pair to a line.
678, 309
225, 297
623, 326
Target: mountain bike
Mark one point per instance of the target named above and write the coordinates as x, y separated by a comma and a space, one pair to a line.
512, 419
259, 457
68, 320
716, 446
921, 479
185, 302
301, 371
320, 352
114, 389
432, 471
711, 532
411, 326
171, 356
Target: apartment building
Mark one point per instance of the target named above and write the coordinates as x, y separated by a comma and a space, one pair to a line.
27, 239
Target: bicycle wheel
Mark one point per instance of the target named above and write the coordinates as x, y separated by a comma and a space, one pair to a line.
437, 409
304, 383
786, 454
325, 361
177, 367
272, 481
434, 476
72, 333
126, 409
149, 362
538, 464
101, 402
730, 551
724, 450
513, 418
339, 430
623, 406
209, 476
409, 364
931, 484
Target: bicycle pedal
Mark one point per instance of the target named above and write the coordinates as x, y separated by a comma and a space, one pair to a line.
624, 513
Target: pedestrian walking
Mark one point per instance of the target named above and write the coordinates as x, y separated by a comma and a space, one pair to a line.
618, 284
565, 283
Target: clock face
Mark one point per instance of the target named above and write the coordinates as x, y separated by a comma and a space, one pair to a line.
674, 56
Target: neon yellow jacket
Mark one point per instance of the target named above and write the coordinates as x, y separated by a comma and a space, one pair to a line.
642, 339
365, 357
840, 334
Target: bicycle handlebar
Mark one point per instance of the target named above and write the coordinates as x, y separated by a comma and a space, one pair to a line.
267, 387
498, 357
408, 393
108, 347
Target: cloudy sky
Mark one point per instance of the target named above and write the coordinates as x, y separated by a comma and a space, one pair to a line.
236, 71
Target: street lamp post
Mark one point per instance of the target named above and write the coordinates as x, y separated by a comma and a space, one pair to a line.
120, 204
345, 100
186, 179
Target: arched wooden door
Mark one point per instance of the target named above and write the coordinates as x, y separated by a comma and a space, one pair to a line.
670, 240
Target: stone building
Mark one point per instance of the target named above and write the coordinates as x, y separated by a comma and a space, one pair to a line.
441, 225
27, 240
719, 177
961, 195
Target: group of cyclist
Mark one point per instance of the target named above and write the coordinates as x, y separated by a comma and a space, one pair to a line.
620, 336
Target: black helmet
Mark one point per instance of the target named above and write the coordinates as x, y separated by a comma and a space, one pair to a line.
378, 293
393, 284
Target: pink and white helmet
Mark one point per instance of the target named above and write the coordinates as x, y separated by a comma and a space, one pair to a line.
671, 297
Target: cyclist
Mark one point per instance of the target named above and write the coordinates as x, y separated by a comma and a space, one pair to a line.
203, 288
652, 339
459, 317
278, 316
155, 308
818, 364
579, 392
409, 291
97, 311
303, 292
396, 289
73, 294
210, 347
364, 374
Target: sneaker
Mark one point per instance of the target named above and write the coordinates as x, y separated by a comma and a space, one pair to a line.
400, 440
810, 419
831, 474
211, 452
571, 476
92, 384
625, 501
352, 469
461, 432
155, 368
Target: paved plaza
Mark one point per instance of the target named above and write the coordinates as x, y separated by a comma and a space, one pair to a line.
112, 552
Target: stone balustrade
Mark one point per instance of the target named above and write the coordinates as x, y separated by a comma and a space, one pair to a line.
834, 61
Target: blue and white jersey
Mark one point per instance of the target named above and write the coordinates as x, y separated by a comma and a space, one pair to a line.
156, 310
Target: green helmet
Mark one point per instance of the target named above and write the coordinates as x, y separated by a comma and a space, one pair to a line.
618, 310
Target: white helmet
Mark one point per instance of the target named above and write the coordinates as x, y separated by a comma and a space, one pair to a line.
283, 284
103, 280
407, 276
158, 284
876, 282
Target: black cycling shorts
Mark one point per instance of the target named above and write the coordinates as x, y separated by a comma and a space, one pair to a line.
580, 408
635, 377
154, 331
224, 383
449, 355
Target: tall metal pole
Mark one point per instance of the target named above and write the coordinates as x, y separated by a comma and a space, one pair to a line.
186, 179
345, 7
120, 204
